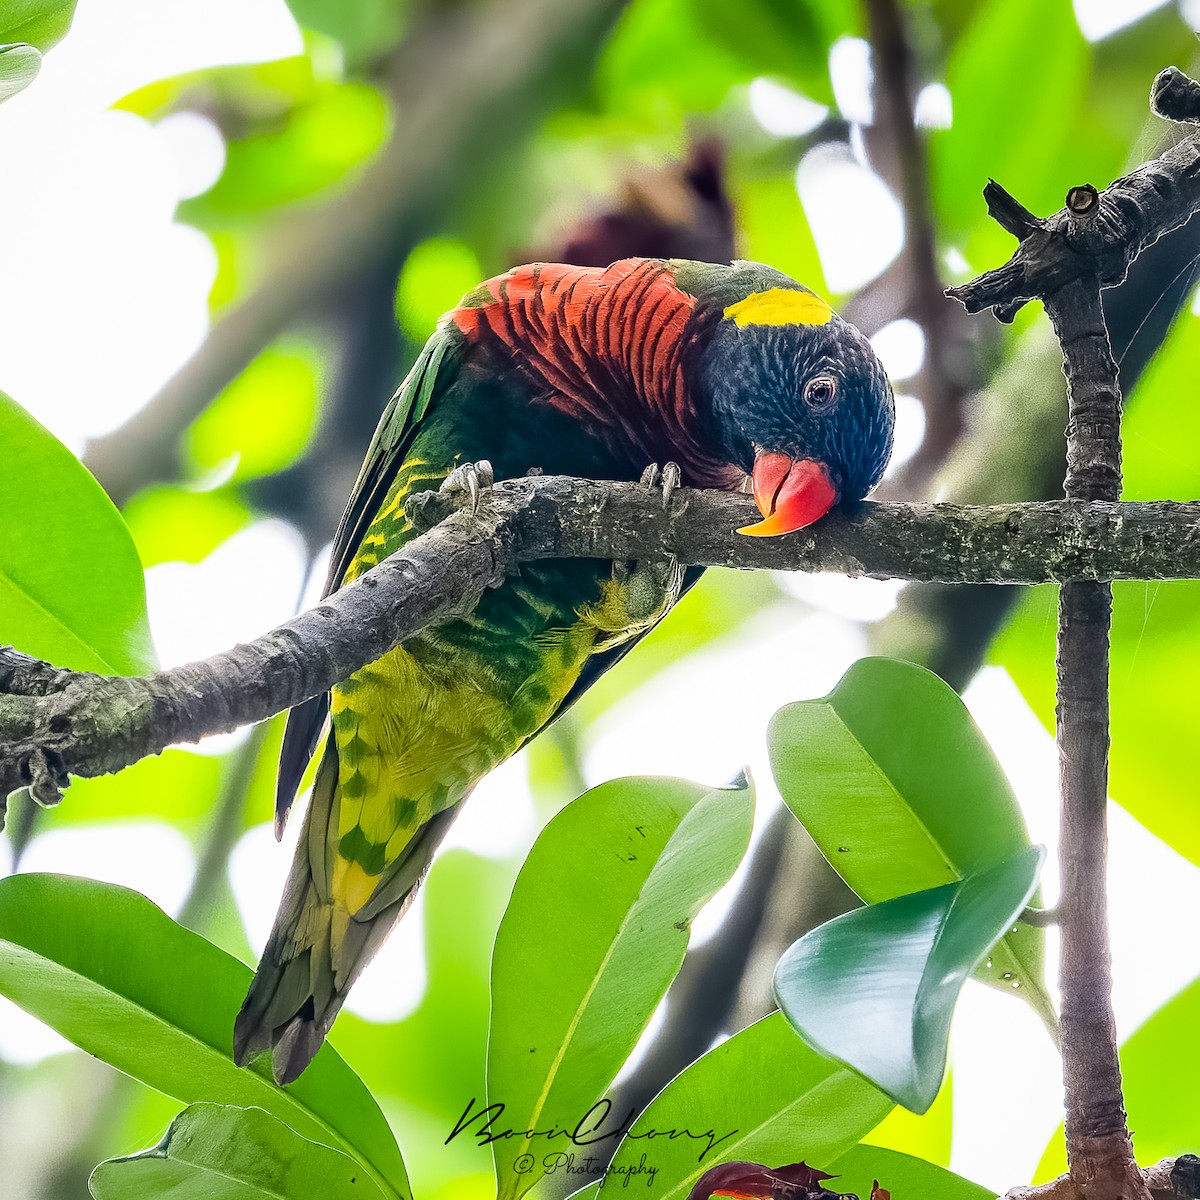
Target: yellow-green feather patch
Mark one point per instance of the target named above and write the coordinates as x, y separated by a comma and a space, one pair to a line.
780, 306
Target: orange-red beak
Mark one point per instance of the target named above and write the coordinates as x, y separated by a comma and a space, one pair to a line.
790, 494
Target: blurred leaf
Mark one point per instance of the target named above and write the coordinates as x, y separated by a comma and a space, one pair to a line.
175, 524
177, 785
338, 128
773, 228
661, 63
902, 1174
783, 37
115, 975
60, 529
218, 1152
1164, 1110
761, 1096
435, 277
1040, 46
19, 66
594, 933
875, 988
257, 92
362, 26
265, 419
41, 23
1155, 655
880, 773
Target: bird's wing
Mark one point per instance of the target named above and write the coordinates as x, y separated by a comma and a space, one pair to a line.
397, 427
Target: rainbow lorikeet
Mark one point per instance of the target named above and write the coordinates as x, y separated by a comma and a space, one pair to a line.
728, 371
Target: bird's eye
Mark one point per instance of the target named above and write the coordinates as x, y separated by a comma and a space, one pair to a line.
820, 391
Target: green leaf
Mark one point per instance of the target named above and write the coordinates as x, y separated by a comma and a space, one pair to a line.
41, 23
218, 1152
177, 785
1163, 1108
19, 65
62, 537
362, 26
902, 1174
115, 975
594, 933
170, 523
786, 37
876, 987
761, 1096
901, 792
319, 141
265, 419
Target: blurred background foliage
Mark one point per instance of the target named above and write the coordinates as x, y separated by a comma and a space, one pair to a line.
349, 192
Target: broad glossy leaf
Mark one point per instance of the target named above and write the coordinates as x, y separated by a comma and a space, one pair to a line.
1163, 1107
19, 66
120, 979
594, 933
761, 1096
902, 1174
71, 585
219, 1152
41, 23
899, 789
875, 988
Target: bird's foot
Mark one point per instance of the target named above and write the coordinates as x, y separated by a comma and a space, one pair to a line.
667, 478
642, 591
648, 588
469, 479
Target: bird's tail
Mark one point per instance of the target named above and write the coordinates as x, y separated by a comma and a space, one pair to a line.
317, 948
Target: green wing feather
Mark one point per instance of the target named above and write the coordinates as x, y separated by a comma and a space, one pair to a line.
393, 436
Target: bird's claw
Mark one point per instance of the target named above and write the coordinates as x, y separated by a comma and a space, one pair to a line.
668, 478
471, 478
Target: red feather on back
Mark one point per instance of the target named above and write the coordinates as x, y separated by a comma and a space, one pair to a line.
617, 331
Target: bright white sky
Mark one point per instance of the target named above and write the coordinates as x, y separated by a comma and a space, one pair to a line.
106, 294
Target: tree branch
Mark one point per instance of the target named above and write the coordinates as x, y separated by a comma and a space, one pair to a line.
54, 722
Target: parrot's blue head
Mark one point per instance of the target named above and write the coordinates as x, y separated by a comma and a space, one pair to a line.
802, 401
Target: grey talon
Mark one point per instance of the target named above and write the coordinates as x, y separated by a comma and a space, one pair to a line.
671, 477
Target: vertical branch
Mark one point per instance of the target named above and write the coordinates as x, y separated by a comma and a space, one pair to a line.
1099, 1148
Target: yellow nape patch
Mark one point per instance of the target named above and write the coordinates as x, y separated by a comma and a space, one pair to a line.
780, 306
352, 885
